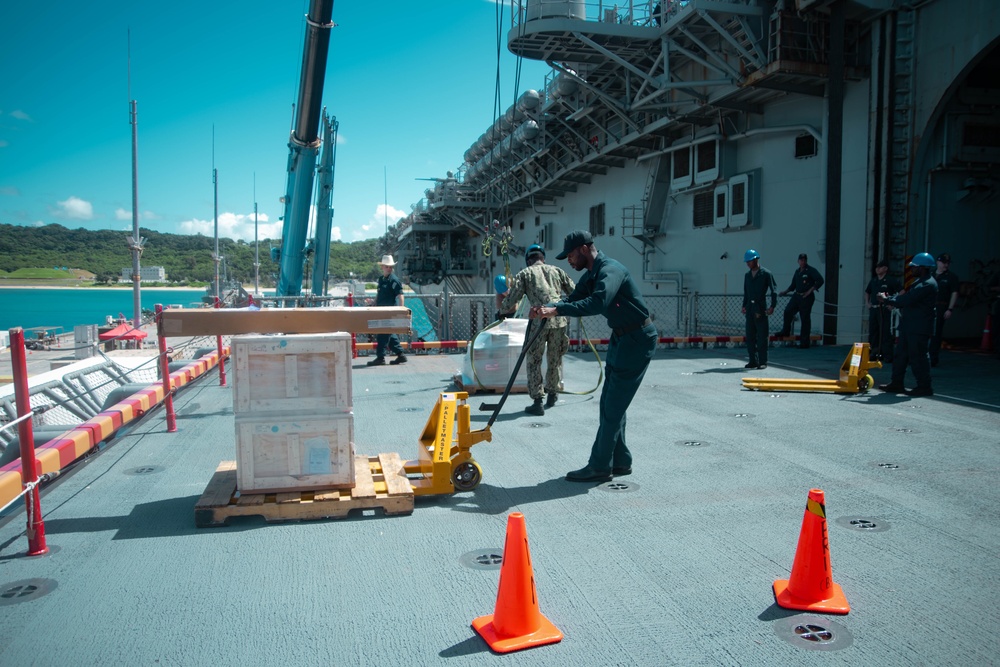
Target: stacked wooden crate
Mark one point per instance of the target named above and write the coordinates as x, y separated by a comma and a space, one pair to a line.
293, 409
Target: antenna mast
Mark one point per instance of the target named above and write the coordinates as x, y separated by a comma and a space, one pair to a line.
135, 242
256, 244
215, 188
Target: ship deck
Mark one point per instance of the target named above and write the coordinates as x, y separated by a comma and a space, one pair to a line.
672, 565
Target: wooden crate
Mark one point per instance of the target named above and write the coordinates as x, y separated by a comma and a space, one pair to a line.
382, 484
284, 451
299, 373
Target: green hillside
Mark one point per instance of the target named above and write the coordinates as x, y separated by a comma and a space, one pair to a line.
30, 253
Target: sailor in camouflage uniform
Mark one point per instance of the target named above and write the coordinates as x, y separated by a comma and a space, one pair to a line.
542, 284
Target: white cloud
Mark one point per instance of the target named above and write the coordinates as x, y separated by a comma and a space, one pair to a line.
10, 191
20, 115
75, 208
234, 226
383, 216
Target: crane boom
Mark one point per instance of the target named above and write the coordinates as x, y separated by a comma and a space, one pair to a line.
303, 147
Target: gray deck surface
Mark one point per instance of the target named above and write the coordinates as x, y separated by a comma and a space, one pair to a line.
676, 569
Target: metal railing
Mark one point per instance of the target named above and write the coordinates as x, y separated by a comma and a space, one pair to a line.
459, 317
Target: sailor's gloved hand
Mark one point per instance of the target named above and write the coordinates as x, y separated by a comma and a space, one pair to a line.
499, 317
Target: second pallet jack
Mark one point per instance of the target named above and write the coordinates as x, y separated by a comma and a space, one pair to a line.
854, 376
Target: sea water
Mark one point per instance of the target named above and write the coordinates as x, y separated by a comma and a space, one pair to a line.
61, 309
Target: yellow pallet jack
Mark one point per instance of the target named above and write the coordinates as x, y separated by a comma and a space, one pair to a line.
854, 377
444, 464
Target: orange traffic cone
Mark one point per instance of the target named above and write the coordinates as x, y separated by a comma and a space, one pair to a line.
516, 623
811, 585
987, 343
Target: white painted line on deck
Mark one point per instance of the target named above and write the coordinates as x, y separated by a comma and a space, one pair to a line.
966, 400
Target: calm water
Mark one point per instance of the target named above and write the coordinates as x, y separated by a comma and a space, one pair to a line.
69, 307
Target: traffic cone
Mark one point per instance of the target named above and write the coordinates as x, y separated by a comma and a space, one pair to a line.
516, 623
811, 585
987, 343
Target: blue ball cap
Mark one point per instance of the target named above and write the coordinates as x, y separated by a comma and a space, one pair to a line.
500, 284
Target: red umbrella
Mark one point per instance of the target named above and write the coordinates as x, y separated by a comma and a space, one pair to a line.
123, 331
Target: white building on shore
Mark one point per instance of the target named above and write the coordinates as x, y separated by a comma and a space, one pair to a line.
147, 274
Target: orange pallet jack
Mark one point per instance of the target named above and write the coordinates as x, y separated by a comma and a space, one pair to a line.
854, 377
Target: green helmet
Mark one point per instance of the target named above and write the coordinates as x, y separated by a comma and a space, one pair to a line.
533, 249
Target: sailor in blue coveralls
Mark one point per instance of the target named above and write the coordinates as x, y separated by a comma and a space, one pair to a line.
916, 326
607, 289
390, 293
757, 282
805, 281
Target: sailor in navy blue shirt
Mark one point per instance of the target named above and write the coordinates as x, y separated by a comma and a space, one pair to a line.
389, 293
608, 289
805, 281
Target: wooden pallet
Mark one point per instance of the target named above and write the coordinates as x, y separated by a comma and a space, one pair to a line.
379, 483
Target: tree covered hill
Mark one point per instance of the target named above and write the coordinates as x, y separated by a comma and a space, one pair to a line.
185, 258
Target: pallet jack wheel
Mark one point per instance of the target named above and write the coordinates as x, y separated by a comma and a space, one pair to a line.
466, 476
865, 383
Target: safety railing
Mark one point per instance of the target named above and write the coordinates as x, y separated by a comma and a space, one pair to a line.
459, 317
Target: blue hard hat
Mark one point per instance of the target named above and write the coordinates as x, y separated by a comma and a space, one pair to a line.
750, 255
534, 249
924, 259
500, 284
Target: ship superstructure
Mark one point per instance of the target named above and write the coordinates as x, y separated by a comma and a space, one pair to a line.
681, 133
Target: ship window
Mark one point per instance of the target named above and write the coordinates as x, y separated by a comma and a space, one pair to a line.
538, 220
704, 207
682, 167
805, 146
706, 155
522, 225
739, 200
597, 220
978, 134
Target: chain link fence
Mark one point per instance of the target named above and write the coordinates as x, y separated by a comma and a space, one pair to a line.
459, 317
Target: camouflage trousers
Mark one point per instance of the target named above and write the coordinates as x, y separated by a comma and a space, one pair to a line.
556, 341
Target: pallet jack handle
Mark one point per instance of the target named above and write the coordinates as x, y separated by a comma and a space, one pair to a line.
529, 340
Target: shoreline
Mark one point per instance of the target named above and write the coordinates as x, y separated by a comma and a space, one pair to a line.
82, 287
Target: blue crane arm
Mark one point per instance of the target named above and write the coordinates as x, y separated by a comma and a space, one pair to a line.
303, 147
324, 205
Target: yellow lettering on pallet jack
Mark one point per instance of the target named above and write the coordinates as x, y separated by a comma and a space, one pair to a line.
442, 450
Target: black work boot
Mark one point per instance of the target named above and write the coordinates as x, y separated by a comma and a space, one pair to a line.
535, 408
377, 361
401, 359
550, 400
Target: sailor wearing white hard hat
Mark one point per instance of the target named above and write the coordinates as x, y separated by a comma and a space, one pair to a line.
389, 293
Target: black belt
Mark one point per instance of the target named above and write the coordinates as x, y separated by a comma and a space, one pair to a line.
621, 331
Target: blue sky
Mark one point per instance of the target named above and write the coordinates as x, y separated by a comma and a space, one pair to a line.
411, 85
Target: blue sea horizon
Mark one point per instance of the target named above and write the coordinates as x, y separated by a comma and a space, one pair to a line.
63, 309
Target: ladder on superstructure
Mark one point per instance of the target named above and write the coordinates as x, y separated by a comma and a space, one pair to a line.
902, 136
